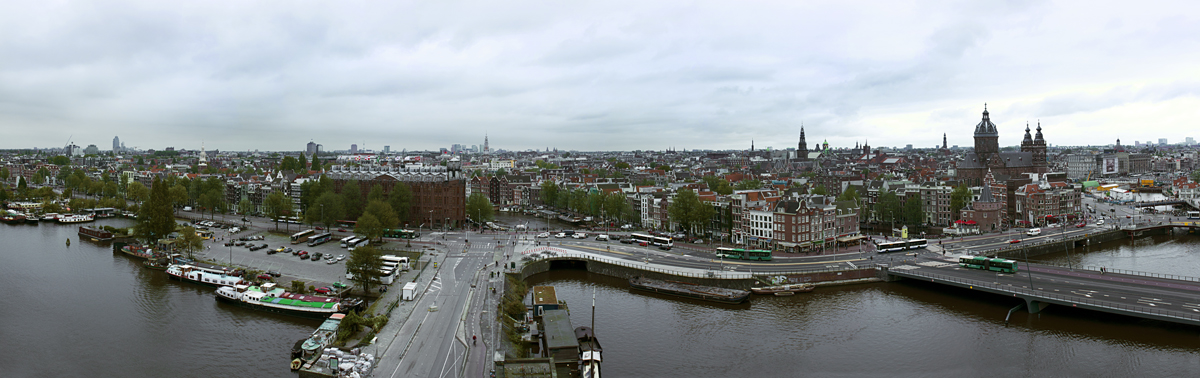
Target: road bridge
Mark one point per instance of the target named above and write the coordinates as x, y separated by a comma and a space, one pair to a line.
1167, 298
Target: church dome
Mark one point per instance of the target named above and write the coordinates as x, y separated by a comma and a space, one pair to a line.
986, 127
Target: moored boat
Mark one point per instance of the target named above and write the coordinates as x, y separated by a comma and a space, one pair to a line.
12, 217
139, 251
50, 217
790, 288
75, 218
270, 298
690, 290
201, 276
589, 352
95, 233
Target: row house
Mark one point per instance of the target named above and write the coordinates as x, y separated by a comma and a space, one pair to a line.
804, 222
1035, 202
935, 202
741, 203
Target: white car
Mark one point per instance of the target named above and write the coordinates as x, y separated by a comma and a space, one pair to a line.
1101, 221
579, 235
341, 257
560, 235
543, 235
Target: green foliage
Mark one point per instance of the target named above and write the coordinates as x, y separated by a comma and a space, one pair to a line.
178, 195
326, 209
188, 241
913, 213
289, 163
316, 164
401, 201
364, 265
479, 208
616, 206
621, 165
959, 198
376, 193
369, 226
298, 287
501, 172
60, 160
849, 194
664, 167
887, 207
383, 213
688, 211
276, 206
549, 192
352, 199
748, 184
156, 217
820, 190
137, 192
245, 207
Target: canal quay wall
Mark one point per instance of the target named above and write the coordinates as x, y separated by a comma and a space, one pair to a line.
732, 280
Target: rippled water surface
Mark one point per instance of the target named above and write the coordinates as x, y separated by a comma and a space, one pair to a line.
82, 311
905, 329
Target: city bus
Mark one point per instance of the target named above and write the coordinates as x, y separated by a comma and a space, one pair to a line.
351, 245
347, 223
319, 239
661, 242
903, 245
342, 243
386, 276
393, 260
401, 233
1193, 215
204, 234
986, 263
302, 236
744, 254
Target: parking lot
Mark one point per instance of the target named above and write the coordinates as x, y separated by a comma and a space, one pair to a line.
290, 266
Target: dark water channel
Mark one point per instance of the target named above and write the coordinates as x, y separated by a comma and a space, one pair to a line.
901, 329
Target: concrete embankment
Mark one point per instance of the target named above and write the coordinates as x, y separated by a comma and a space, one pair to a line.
823, 278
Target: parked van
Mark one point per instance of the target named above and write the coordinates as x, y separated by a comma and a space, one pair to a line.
1034, 232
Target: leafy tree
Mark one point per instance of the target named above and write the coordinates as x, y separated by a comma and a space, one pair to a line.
60, 160
749, 184
178, 196
3, 194
288, 164
621, 165
213, 201
820, 190
664, 167
383, 213
276, 207
245, 206
849, 194
549, 192
616, 206
316, 165
364, 264
369, 226
189, 242
887, 208
688, 211
4, 174
1196, 176
401, 201
376, 193
21, 186
960, 197
723, 188
155, 217
914, 215
110, 189
327, 209
479, 208
352, 200
501, 172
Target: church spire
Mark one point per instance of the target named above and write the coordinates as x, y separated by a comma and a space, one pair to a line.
944, 141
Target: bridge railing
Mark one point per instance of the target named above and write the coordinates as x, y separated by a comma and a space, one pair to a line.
1144, 274
684, 272
1041, 294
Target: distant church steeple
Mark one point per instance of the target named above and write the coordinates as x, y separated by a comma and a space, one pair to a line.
802, 147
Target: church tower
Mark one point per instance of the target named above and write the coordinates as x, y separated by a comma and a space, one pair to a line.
802, 148
987, 144
944, 145
1039, 149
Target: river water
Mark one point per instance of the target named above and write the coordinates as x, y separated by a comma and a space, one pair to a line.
899, 329
81, 311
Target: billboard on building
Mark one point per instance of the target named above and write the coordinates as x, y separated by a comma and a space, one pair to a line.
1110, 165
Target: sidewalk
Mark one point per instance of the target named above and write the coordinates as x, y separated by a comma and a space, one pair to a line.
389, 339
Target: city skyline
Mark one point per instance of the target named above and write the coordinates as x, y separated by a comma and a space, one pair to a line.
592, 77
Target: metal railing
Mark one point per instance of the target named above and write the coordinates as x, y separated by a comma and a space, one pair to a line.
1143, 274
539, 253
1040, 294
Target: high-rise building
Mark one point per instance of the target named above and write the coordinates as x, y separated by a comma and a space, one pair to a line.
387, 149
1189, 141
354, 148
311, 148
116, 144
1162, 141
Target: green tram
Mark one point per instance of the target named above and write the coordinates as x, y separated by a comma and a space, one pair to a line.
987, 263
743, 254
401, 234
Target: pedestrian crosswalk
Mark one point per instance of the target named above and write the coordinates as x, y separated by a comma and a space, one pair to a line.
936, 264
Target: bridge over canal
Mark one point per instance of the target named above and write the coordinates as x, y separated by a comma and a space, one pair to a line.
1173, 299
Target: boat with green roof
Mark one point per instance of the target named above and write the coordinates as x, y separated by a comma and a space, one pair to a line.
271, 298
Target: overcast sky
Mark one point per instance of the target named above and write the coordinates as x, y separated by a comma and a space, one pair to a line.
592, 75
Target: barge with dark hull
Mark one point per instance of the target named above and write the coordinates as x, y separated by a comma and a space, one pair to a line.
690, 290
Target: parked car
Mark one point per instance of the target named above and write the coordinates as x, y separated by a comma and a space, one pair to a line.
274, 273
579, 236
303, 255
601, 237
560, 235
1014, 241
543, 235
627, 241
341, 257
331, 262
316, 256
324, 290
265, 277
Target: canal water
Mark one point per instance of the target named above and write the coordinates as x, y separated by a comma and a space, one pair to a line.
82, 311
899, 329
